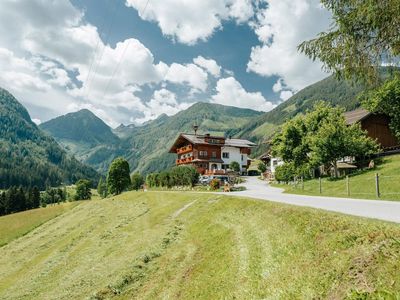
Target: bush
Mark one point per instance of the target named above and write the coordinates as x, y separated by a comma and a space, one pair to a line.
235, 166
215, 184
137, 181
83, 190
177, 176
285, 172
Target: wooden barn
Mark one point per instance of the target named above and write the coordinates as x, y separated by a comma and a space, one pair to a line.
376, 125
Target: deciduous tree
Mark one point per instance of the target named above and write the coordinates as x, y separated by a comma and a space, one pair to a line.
118, 178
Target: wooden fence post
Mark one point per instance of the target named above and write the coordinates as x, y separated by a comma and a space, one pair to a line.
348, 185
320, 185
378, 193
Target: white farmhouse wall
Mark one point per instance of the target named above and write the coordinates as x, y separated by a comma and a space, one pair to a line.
275, 161
234, 155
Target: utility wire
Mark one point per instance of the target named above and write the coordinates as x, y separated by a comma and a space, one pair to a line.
96, 63
121, 58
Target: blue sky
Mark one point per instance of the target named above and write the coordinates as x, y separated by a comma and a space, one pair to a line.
130, 61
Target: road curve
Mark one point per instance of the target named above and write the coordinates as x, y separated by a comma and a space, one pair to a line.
376, 209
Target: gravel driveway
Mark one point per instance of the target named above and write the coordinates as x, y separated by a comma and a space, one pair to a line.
377, 209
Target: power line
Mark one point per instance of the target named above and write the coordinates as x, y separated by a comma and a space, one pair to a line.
121, 57
106, 38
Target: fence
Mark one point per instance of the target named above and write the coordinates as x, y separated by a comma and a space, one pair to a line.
372, 186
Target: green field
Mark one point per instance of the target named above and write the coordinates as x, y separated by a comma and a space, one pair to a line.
18, 224
166, 245
362, 185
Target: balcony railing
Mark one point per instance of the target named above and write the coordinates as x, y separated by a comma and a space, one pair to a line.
184, 149
184, 160
215, 172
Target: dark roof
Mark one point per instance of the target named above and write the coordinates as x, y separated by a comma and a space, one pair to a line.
201, 139
355, 116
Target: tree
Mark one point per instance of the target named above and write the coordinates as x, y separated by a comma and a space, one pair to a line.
235, 166
320, 137
365, 34
102, 188
35, 194
118, 178
262, 167
386, 99
137, 181
83, 189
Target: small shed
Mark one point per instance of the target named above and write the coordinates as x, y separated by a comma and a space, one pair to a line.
376, 125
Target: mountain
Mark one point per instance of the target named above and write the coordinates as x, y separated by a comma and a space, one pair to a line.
81, 126
338, 93
145, 147
29, 156
85, 135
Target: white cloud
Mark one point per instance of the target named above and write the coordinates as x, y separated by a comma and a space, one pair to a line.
230, 92
162, 102
281, 27
209, 65
190, 74
19, 74
191, 21
284, 95
37, 121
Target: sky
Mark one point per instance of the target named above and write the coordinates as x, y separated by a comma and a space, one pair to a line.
129, 61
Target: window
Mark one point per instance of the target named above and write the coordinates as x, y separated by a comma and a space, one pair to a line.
242, 157
225, 154
203, 153
214, 154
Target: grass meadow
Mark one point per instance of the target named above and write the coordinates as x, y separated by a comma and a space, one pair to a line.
171, 245
362, 185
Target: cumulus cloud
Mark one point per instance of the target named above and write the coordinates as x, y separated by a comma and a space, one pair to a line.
281, 26
189, 74
230, 92
209, 65
192, 21
162, 102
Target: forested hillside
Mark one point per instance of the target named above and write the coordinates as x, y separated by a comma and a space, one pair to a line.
28, 156
87, 137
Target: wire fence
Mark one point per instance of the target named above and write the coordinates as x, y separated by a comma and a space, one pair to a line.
371, 186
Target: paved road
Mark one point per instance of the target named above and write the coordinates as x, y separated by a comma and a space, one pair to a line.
377, 209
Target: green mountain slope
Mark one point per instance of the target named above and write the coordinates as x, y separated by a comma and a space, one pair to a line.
146, 147
86, 136
80, 126
28, 156
329, 89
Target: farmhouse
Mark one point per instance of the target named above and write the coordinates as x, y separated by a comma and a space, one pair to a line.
211, 154
376, 126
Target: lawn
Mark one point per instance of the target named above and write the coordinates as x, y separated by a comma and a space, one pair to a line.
362, 185
171, 245
18, 224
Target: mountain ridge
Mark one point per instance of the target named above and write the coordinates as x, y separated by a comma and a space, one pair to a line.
31, 157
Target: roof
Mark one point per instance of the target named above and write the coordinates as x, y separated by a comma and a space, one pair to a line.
355, 116
201, 139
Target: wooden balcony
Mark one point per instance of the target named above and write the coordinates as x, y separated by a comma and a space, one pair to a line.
184, 149
184, 160
215, 172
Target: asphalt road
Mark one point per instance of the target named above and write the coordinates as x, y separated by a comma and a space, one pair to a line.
376, 209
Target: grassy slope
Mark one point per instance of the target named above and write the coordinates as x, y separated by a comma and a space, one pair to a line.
361, 185
201, 246
16, 225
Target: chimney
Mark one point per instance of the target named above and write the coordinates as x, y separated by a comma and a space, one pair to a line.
195, 128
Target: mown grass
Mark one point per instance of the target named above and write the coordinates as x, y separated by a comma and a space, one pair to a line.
16, 225
160, 245
362, 185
